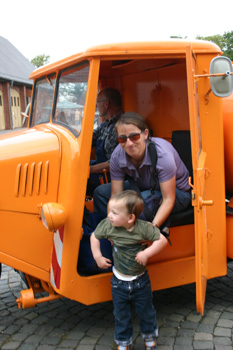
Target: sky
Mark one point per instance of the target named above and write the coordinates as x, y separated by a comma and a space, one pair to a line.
61, 28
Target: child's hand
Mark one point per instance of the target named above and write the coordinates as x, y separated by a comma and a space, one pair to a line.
141, 258
145, 243
103, 263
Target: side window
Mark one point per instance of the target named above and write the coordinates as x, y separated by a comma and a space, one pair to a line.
43, 100
71, 96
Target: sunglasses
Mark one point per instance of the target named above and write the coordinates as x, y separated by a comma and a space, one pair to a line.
133, 137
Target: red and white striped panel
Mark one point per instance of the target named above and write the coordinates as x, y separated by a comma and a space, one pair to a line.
55, 274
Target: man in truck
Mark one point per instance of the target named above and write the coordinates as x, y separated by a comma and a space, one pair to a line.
109, 105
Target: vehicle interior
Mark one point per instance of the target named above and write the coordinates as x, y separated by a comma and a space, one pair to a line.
157, 89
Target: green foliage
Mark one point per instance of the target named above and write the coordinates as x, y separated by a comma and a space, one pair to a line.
225, 42
40, 60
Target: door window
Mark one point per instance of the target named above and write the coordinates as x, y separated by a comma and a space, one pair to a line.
71, 96
43, 100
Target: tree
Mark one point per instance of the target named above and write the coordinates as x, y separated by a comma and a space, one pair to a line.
225, 42
40, 60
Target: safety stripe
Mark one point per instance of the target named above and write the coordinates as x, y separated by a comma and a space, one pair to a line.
58, 243
55, 275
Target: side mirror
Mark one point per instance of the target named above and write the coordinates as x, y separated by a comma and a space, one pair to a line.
221, 76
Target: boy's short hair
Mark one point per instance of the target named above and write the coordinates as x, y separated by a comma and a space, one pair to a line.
133, 201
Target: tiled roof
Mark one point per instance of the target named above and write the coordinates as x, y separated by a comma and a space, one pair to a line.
13, 65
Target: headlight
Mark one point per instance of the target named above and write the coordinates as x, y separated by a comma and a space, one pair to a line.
53, 216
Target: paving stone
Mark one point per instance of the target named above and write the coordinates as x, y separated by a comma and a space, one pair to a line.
105, 340
203, 345
48, 340
29, 328
11, 329
222, 332
203, 336
68, 343
88, 340
205, 328
183, 341
3, 339
230, 309
46, 347
166, 340
225, 323
76, 335
94, 331
176, 317
193, 318
222, 341
103, 347
213, 314
28, 346
189, 325
209, 320
10, 345
34, 338
19, 337
227, 315
170, 332
83, 347
183, 332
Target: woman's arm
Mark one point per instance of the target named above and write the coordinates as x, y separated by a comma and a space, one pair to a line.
101, 261
168, 190
116, 186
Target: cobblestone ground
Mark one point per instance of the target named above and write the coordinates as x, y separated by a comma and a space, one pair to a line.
65, 324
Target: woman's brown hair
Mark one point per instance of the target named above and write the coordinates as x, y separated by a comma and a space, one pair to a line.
132, 118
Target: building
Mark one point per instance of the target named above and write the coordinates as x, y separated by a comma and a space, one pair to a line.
15, 87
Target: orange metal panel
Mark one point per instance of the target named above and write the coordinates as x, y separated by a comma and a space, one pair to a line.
24, 170
24, 237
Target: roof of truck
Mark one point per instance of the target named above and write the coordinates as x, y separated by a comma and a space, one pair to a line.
172, 46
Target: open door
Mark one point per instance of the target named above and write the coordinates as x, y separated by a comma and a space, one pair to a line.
198, 192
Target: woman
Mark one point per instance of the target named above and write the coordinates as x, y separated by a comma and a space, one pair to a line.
132, 158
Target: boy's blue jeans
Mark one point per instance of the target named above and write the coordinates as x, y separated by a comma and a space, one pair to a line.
139, 293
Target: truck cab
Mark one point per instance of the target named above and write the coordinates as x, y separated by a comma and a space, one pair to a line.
45, 168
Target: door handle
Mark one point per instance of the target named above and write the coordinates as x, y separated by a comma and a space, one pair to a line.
202, 202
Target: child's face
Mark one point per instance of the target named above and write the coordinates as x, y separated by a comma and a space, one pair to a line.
118, 215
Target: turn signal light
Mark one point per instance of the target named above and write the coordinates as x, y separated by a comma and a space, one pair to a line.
53, 216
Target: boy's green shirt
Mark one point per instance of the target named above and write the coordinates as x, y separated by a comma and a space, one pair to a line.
126, 244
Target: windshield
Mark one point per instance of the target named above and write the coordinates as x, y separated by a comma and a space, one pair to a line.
43, 100
71, 96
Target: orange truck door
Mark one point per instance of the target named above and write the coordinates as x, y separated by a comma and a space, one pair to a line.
198, 193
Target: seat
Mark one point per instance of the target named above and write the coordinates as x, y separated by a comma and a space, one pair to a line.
182, 143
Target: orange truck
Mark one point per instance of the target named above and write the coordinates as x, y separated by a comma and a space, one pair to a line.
184, 91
